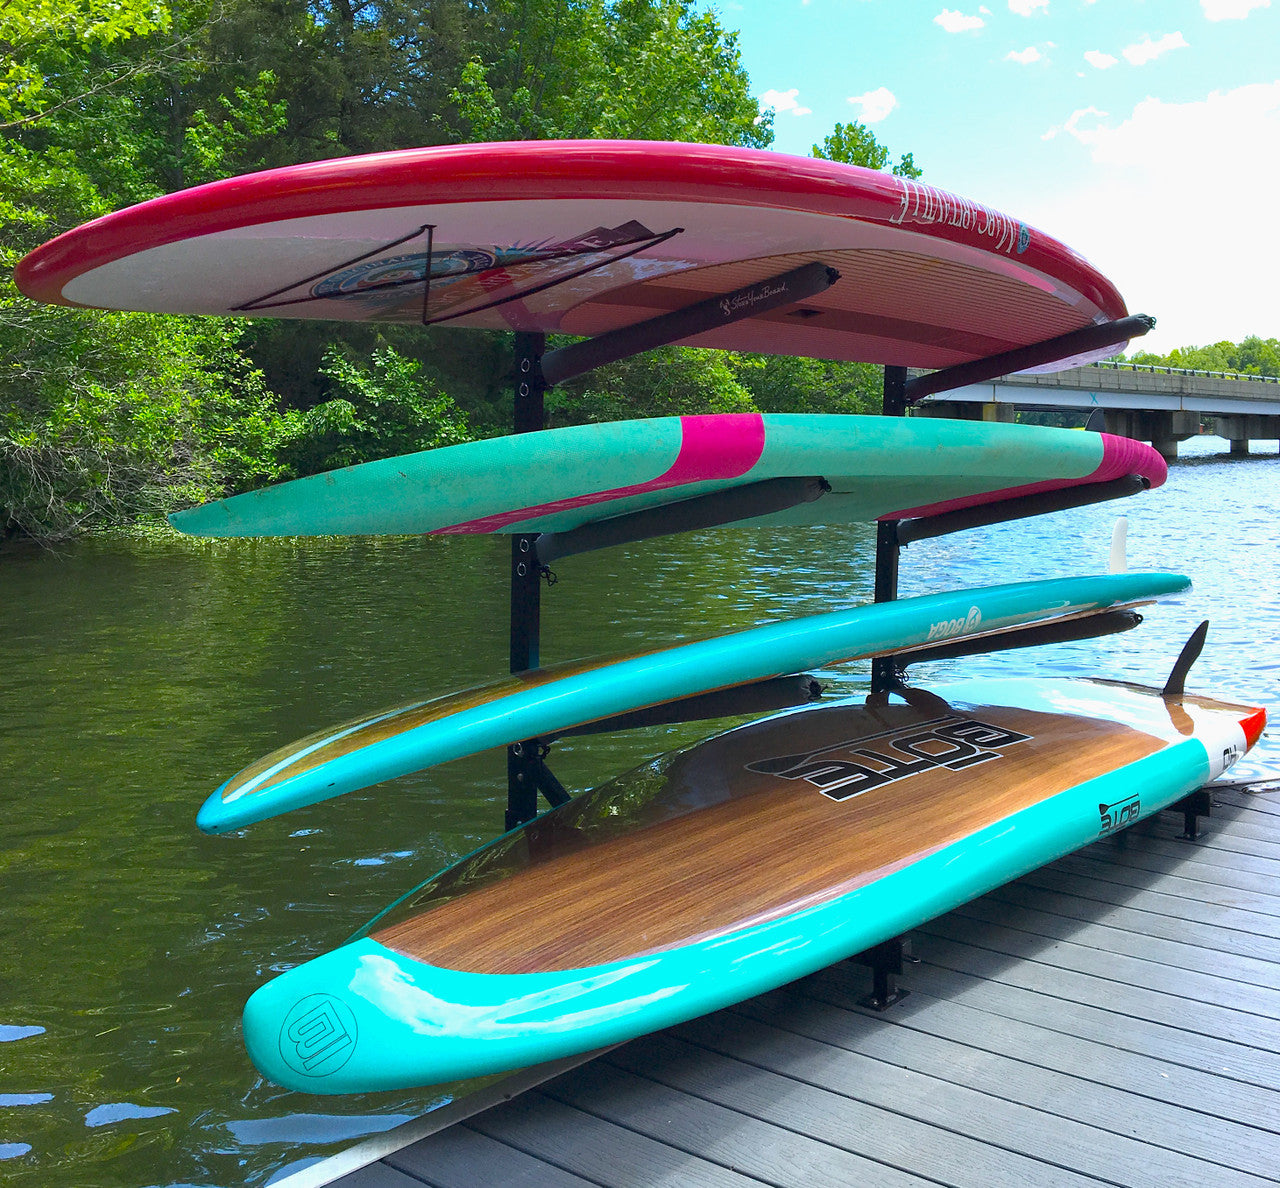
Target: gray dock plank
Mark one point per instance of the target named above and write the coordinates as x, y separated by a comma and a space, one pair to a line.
1183, 950
1130, 917
1129, 987
600, 1150
1008, 1141
1140, 895
380, 1175
1222, 884
649, 1086
449, 1160
1071, 1079
1112, 1019
1035, 1041
965, 975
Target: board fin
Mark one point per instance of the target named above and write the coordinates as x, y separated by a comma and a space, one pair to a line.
1119, 546
1177, 682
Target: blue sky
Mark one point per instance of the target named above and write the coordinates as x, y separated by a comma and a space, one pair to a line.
1143, 133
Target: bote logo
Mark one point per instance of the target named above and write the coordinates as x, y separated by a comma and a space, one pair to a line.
1116, 816
857, 765
318, 1035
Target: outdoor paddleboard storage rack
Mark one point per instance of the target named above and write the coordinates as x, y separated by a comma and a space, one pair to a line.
537, 369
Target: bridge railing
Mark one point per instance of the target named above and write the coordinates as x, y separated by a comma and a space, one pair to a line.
1160, 369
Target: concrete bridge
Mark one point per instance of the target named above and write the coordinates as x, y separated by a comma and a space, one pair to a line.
1162, 405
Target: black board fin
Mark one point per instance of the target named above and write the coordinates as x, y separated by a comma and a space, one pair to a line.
1177, 682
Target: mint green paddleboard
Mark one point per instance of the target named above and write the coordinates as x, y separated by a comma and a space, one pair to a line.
561, 479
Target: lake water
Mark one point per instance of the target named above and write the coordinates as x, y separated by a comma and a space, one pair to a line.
136, 675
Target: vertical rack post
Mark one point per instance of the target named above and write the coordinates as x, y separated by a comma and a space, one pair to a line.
526, 593
885, 674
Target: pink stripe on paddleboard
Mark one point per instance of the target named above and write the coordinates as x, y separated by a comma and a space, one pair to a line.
718, 446
1120, 456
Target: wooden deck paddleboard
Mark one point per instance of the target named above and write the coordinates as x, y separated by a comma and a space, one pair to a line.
586, 237
717, 873
561, 479
551, 700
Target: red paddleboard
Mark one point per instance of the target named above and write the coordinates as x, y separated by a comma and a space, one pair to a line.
583, 237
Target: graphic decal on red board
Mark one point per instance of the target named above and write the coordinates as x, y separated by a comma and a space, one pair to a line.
444, 281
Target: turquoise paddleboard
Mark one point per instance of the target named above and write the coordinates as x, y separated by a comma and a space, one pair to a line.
726, 870
551, 700
561, 479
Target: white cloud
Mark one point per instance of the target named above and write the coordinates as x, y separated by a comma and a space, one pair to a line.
1230, 10
1142, 52
875, 105
1234, 122
954, 21
1024, 57
1196, 252
1027, 7
1073, 122
1100, 61
784, 101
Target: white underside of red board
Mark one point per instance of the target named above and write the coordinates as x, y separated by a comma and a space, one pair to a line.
904, 297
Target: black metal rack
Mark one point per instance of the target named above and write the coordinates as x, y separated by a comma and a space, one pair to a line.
536, 369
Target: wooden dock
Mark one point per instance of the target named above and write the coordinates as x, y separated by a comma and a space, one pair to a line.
1111, 1019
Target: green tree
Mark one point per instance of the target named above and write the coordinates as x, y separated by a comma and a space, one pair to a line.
378, 411
784, 383
854, 144
670, 381
1252, 356
105, 417
622, 69
37, 37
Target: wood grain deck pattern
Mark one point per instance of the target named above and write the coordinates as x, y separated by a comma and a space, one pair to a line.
691, 857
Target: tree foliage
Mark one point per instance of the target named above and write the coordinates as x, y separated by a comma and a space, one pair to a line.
379, 410
1252, 356
610, 69
39, 37
104, 103
855, 144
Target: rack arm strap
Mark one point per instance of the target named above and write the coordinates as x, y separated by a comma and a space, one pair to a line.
1039, 354
784, 289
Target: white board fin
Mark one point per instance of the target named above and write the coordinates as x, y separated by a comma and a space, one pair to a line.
1119, 546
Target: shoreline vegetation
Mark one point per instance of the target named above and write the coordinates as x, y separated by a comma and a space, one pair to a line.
109, 419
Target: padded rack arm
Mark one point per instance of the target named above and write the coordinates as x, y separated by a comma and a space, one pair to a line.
702, 511
1018, 508
1039, 354
751, 301
759, 697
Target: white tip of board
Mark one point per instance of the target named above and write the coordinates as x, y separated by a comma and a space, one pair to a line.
1119, 546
